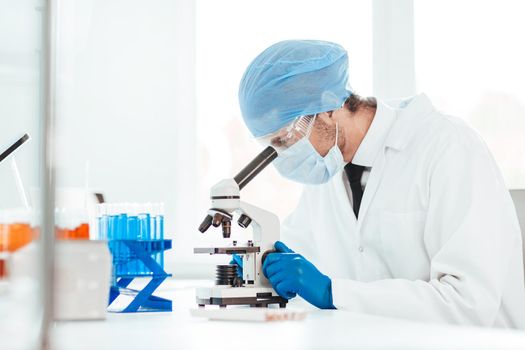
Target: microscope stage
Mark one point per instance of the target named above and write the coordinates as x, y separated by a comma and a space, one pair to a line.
225, 295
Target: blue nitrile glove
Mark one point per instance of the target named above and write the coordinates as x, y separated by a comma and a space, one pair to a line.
237, 260
290, 274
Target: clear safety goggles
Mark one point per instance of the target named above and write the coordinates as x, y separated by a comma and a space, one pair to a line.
289, 135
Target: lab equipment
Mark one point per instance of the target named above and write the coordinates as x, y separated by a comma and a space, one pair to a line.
250, 315
83, 271
79, 232
11, 149
17, 229
4, 262
253, 288
290, 274
302, 163
16, 174
16, 224
71, 224
290, 79
135, 235
14, 147
9, 153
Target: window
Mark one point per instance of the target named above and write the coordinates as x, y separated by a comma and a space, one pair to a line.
469, 60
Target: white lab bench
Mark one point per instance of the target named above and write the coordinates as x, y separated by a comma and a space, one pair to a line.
322, 329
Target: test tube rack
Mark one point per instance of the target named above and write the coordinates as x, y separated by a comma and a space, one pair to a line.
142, 252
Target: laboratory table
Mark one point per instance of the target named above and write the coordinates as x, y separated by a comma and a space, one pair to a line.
322, 329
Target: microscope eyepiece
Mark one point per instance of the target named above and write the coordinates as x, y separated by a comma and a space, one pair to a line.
255, 166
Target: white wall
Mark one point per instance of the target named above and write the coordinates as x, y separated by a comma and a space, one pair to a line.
394, 69
126, 93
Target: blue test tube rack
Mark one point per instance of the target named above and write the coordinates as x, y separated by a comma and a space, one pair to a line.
135, 236
129, 252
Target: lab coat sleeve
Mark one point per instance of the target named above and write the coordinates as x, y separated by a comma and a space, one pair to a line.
296, 230
471, 235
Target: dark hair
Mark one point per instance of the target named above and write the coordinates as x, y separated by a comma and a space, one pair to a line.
356, 102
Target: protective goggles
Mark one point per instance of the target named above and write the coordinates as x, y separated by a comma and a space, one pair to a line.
287, 136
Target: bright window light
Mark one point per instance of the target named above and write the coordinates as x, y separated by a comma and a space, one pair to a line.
469, 60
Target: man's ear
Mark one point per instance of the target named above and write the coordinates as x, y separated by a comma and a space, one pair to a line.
326, 117
339, 114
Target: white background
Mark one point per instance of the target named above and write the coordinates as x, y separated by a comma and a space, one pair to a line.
470, 61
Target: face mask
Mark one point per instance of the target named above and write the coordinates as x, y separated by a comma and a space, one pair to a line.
303, 164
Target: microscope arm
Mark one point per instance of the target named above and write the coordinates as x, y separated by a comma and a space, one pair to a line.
266, 229
266, 225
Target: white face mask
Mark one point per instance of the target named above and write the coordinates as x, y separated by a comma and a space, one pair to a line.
303, 164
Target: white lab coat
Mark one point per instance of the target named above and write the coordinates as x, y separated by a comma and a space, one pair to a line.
437, 237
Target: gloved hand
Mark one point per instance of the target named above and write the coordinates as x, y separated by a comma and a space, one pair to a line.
237, 260
290, 274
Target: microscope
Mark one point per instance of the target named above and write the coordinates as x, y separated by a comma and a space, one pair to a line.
253, 288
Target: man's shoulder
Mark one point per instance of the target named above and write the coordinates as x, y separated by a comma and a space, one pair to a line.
448, 131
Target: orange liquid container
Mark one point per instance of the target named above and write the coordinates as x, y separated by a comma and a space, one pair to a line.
82, 231
79, 232
16, 235
3, 267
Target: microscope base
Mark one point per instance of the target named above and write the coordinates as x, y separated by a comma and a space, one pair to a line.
253, 296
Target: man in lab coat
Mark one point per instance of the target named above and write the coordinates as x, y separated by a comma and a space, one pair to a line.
404, 212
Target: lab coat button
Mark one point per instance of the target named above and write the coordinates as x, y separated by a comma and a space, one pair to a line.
361, 249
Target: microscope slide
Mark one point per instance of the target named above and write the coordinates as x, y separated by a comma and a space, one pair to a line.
250, 314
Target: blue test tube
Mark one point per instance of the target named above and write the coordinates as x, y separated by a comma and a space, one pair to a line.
114, 225
160, 231
110, 222
153, 214
102, 222
123, 234
133, 233
113, 219
144, 229
153, 230
110, 235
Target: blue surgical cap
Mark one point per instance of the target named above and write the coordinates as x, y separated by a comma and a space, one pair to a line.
290, 79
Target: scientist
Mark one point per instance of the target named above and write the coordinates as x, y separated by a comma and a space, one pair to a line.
404, 212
